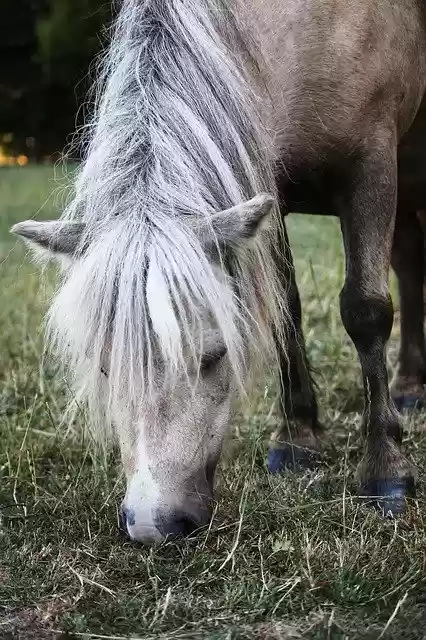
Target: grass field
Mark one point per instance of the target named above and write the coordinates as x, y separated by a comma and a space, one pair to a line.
287, 557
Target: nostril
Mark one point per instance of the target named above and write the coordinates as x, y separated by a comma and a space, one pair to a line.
126, 518
175, 524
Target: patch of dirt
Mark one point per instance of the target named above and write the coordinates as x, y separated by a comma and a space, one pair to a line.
33, 624
4, 575
276, 631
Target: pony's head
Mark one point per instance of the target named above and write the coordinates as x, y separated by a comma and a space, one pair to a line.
167, 291
157, 334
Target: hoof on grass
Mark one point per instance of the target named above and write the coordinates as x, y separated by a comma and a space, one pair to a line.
410, 402
292, 458
408, 393
390, 496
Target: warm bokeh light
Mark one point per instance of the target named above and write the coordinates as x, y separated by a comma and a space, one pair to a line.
8, 161
22, 160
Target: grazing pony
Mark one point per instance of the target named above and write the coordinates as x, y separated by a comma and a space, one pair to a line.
213, 117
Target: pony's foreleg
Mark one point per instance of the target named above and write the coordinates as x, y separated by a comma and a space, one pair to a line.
407, 388
295, 443
367, 208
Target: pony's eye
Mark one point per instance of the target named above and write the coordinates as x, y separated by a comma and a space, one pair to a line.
103, 371
210, 359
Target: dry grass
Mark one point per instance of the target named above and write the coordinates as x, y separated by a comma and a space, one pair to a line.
288, 557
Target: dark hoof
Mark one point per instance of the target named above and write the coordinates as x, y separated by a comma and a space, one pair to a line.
389, 496
409, 403
292, 458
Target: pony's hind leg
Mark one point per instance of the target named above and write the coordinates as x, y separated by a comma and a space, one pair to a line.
407, 388
367, 208
295, 444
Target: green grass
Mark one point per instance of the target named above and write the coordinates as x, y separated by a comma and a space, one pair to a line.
287, 557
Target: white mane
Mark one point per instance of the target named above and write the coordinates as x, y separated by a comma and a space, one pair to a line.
176, 136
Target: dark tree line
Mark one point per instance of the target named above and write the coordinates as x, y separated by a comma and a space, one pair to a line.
47, 48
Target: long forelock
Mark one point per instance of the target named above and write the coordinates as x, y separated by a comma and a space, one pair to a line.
176, 135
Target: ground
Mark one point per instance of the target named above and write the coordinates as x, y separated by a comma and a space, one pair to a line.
285, 557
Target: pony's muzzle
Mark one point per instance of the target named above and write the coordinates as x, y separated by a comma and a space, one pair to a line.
139, 529
162, 525
177, 524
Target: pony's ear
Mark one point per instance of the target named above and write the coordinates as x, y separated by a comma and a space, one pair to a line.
238, 224
56, 238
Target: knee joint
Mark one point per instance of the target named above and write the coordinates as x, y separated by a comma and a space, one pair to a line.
366, 317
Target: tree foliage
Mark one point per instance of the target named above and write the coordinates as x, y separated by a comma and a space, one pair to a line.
46, 49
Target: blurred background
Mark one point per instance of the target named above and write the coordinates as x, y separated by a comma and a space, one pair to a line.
48, 52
